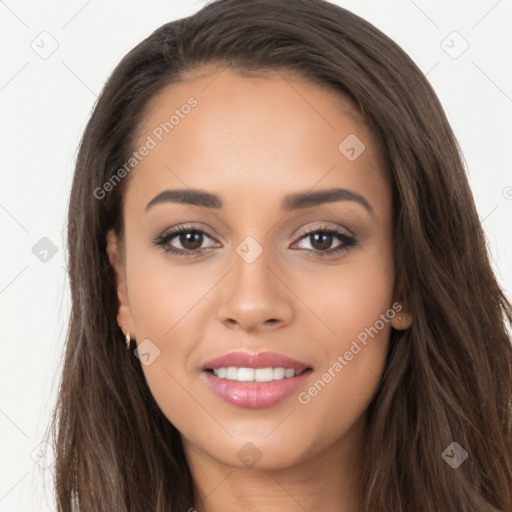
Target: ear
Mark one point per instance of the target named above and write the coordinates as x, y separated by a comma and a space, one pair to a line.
115, 256
403, 318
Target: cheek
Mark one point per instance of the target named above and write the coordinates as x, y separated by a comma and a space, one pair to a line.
357, 307
349, 298
167, 305
164, 295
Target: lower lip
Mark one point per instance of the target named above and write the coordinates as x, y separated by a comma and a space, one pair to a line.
255, 395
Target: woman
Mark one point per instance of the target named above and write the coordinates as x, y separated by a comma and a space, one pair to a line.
270, 211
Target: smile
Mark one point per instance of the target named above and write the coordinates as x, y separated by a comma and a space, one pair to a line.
254, 374
255, 380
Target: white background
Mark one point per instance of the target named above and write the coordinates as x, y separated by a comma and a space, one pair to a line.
45, 104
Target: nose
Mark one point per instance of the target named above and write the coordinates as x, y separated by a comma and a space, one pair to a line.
255, 298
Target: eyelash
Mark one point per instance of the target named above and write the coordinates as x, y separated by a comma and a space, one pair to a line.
161, 241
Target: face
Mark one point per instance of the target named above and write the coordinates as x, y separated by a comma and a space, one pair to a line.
299, 287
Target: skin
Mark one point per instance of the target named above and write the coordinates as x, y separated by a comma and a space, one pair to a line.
252, 141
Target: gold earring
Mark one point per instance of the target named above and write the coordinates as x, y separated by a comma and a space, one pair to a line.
127, 337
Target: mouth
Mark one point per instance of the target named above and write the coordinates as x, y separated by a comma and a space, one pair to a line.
255, 380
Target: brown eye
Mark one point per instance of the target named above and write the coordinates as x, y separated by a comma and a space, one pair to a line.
321, 241
184, 241
191, 240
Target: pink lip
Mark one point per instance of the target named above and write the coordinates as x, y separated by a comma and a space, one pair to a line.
260, 360
254, 395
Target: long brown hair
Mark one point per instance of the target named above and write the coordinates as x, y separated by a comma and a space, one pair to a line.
448, 378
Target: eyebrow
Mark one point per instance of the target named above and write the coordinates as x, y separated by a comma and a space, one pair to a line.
290, 202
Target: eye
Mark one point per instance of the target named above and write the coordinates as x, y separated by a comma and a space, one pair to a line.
189, 241
321, 239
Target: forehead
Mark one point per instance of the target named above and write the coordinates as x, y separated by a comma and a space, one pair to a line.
216, 128
232, 94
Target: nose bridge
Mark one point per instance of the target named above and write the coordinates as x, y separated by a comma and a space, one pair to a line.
254, 296
253, 279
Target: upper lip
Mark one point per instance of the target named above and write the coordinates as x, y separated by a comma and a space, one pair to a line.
260, 360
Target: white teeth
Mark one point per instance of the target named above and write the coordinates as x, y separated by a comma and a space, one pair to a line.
252, 374
278, 373
245, 374
263, 374
232, 373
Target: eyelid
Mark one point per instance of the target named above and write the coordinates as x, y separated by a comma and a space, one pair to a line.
325, 227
